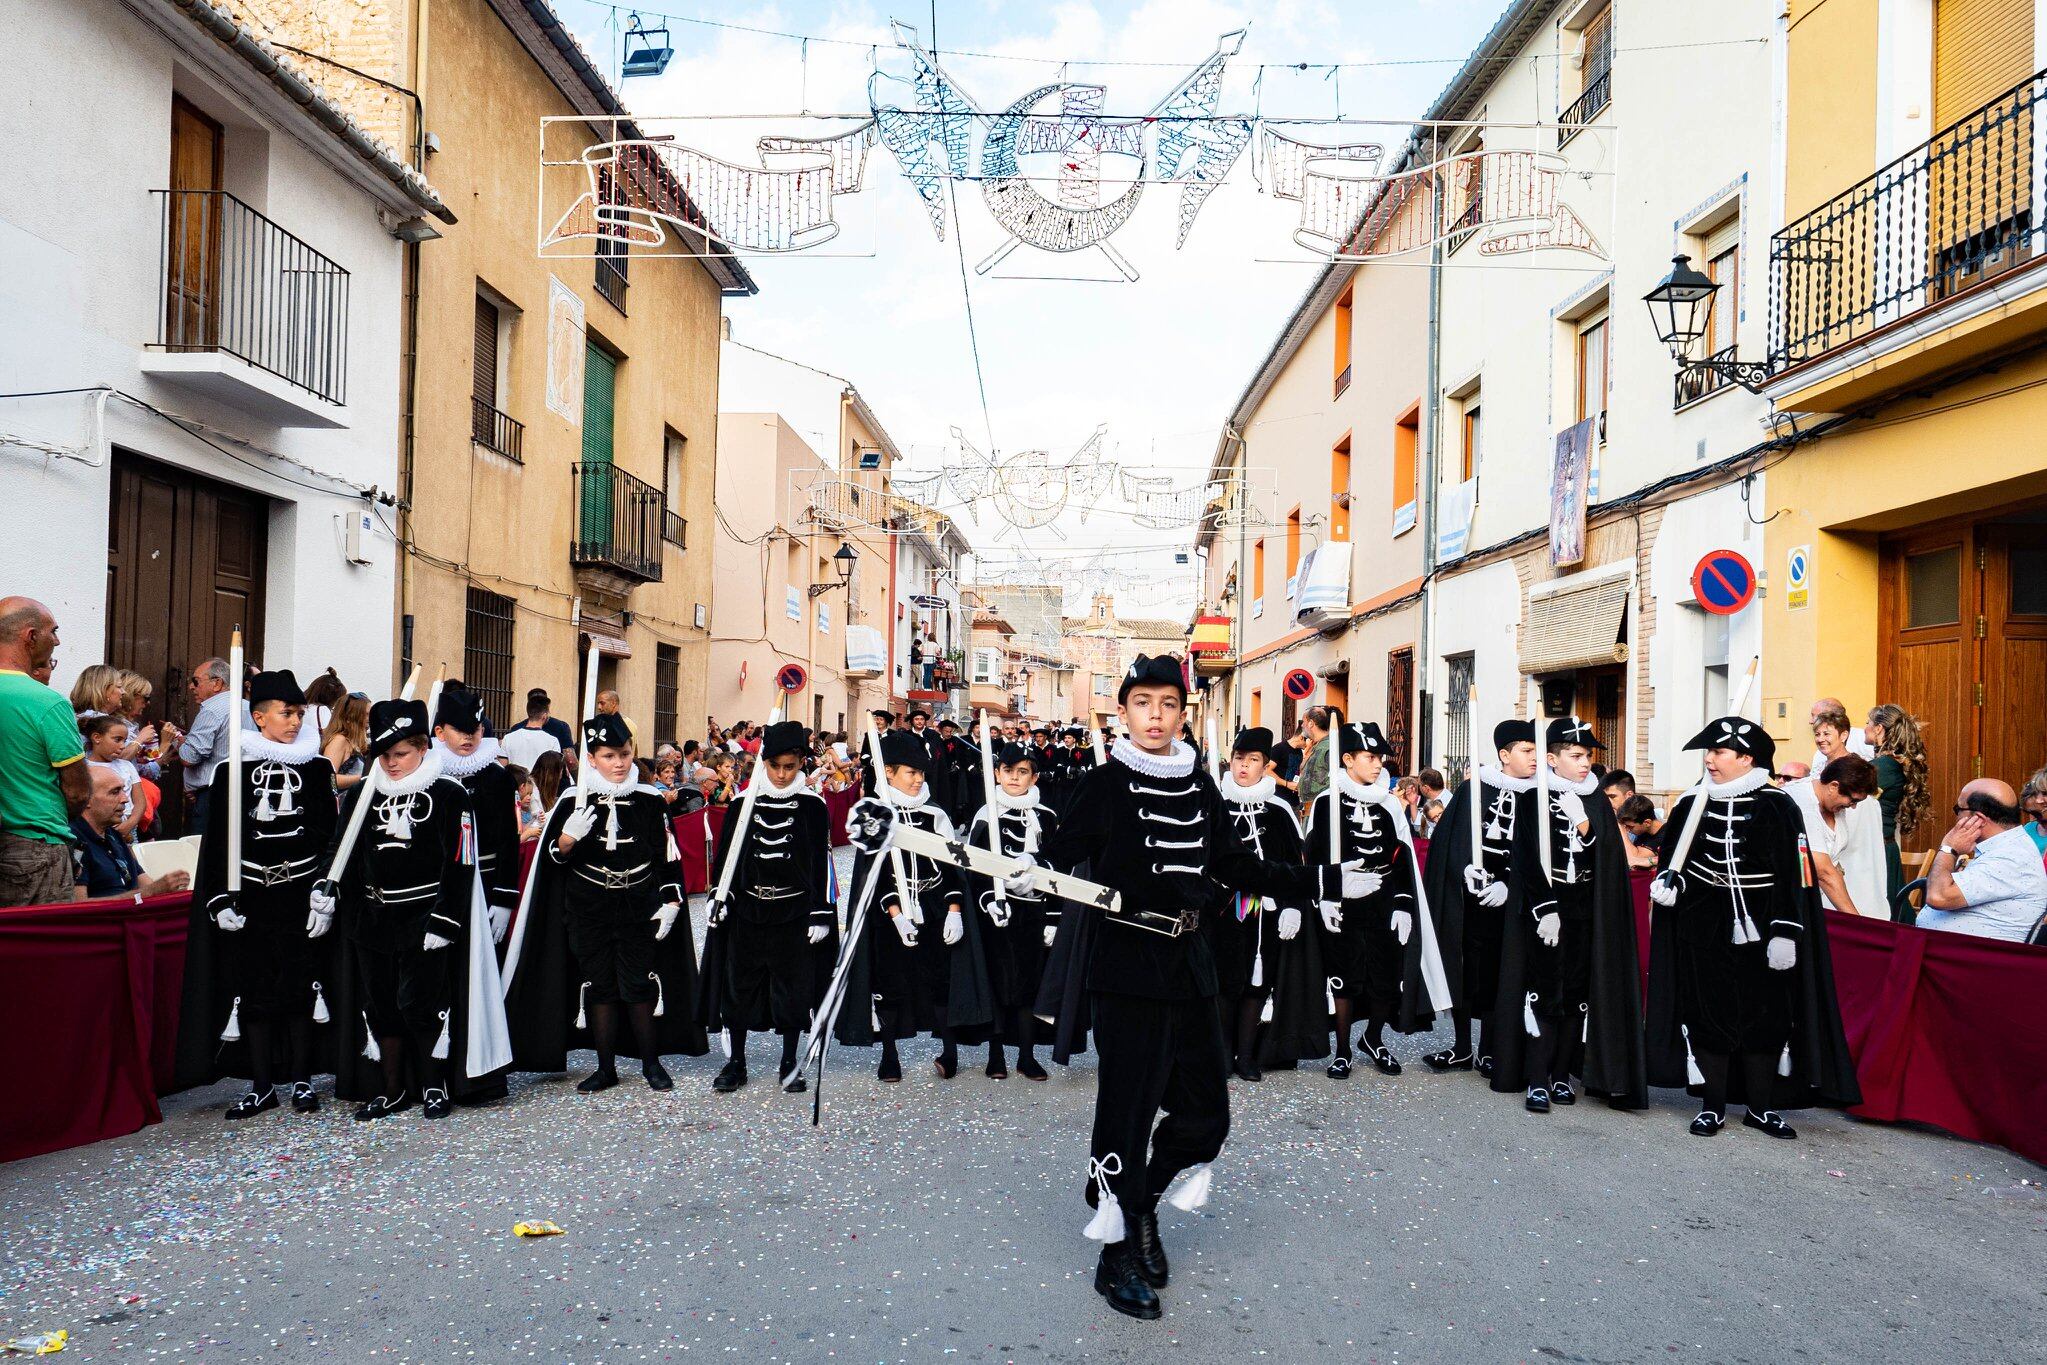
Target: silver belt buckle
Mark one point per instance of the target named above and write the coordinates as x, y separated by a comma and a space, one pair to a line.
1171, 924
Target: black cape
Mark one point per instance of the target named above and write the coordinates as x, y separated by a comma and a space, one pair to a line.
1292, 968
815, 837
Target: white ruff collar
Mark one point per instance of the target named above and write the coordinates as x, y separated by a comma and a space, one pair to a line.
465, 765
418, 780
769, 789
1357, 790
1028, 801
903, 801
1177, 762
1589, 785
597, 784
264, 750
1257, 794
1493, 777
1755, 779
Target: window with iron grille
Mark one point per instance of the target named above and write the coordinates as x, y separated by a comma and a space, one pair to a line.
487, 654
611, 250
667, 683
1457, 716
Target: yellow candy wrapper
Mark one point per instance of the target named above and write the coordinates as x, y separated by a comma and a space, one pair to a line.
536, 1227
42, 1344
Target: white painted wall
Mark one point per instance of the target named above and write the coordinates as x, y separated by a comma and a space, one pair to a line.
80, 281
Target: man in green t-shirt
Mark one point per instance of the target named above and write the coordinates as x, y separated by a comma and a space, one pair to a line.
43, 777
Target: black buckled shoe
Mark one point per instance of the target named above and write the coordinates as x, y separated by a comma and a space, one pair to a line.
795, 1083
603, 1078
1707, 1124
1148, 1251
656, 1075
997, 1068
730, 1077
382, 1107
1027, 1067
438, 1105
1484, 1067
1118, 1280
1537, 1101
1562, 1093
1339, 1070
1383, 1058
1770, 1122
1247, 1070
891, 1069
948, 1065
1450, 1059
303, 1100
252, 1104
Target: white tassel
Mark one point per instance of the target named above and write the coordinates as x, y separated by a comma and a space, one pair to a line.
441, 1043
320, 1015
233, 1032
1528, 1016
582, 1019
611, 825
1693, 1076
1744, 927
1190, 1191
725, 1041
1265, 1015
1330, 987
874, 1013
1257, 971
1107, 1224
660, 995
1585, 1028
1784, 1061
369, 1042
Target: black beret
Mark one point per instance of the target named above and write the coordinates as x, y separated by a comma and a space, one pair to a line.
1152, 670
394, 721
459, 709
278, 686
1742, 736
1508, 733
606, 731
903, 749
1571, 730
1009, 755
784, 737
1362, 737
1253, 739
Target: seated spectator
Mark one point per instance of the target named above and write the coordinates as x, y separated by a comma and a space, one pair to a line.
2002, 893
1793, 771
105, 737
1408, 792
550, 776
1617, 786
105, 864
531, 817
2033, 800
1642, 829
97, 692
692, 759
1847, 857
146, 743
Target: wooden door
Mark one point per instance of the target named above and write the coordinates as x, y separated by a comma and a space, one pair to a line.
1400, 707
192, 230
1928, 594
2014, 677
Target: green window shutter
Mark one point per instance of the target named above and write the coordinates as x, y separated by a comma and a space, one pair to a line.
600, 379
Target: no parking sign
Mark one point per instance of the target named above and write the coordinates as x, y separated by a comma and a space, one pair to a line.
791, 677
1299, 684
1724, 582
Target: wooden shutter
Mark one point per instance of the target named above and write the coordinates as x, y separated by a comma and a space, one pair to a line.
1981, 48
600, 378
486, 352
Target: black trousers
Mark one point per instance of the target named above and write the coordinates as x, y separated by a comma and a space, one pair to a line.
1153, 1055
767, 975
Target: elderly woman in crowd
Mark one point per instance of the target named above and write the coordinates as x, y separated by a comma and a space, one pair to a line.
1858, 836
1902, 800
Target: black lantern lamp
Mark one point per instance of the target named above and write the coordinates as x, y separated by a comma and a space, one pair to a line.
843, 562
1681, 309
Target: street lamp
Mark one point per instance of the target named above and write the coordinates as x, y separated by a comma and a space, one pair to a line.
1681, 309
843, 562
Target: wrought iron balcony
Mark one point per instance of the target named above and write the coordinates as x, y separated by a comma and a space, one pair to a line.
618, 521
495, 431
1585, 108
1697, 381
1947, 216
238, 284
675, 529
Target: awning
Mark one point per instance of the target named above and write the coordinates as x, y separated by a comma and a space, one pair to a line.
1576, 622
599, 633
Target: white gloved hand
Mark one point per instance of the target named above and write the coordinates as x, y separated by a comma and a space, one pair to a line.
500, 920
1494, 896
914, 912
818, 934
1663, 890
1403, 925
326, 895
1549, 929
665, 916
1572, 807
717, 908
955, 926
434, 941
223, 908
1783, 954
1358, 883
1289, 924
579, 824
1332, 917
1051, 932
905, 930
1021, 882
318, 924
1476, 879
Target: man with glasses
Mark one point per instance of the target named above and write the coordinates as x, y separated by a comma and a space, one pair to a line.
2002, 893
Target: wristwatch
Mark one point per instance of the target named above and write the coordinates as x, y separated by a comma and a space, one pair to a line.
1949, 850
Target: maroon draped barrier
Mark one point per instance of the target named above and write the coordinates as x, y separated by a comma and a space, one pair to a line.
89, 1015
695, 836
836, 805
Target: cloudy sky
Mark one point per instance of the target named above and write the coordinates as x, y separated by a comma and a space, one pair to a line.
1161, 360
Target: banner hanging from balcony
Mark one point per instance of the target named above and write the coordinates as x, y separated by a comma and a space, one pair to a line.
1057, 173
1569, 486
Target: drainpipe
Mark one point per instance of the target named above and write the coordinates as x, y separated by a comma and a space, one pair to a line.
1425, 669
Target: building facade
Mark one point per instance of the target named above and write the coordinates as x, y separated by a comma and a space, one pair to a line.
929, 663
205, 254
1907, 539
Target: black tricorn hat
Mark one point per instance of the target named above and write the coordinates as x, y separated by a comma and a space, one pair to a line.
784, 737
459, 709
904, 749
1362, 737
1152, 670
1009, 755
1571, 730
1742, 736
606, 730
392, 722
1253, 739
1508, 733
278, 686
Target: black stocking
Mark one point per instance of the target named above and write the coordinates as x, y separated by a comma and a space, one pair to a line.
1375, 1029
1460, 1020
1542, 1055
1343, 1018
788, 1052
642, 1017
258, 1037
737, 1037
1247, 1026
1759, 1081
300, 1035
604, 1034
949, 1053
1713, 1066
432, 1070
1026, 1027
393, 1050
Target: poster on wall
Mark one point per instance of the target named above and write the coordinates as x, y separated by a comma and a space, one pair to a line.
1570, 474
564, 352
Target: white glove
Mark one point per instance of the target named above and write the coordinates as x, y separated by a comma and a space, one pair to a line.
1572, 806
665, 917
500, 920
868, 824
914, 912
1403, 925
579, 824
1549, 929
955, 926
1663, 890
318, 924
1021, 882
1289, 924
1332, 917
1051, 932
1494, 896
1783, 954
905, 930
1476, 879
1358, 883
717, 908
818, 934
326, 895
995, 909
434, 941
225, 916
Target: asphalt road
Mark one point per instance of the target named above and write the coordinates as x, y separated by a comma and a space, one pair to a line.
1421, 1218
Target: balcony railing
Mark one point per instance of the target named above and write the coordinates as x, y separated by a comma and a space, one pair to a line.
1585, 108
1342, 380
492, 429
611, 272
1697, 381
235, 282
618, 521
1959, 210
675, 529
